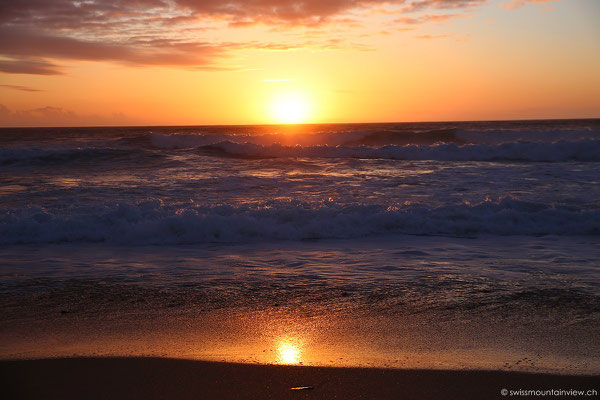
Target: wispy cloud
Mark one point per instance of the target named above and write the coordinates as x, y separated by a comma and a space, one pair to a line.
57, 116
21, 88
457, 38
20, 43
420, 5
129, 15
29, 66
36, 35
429, 18
428, 37
514, 4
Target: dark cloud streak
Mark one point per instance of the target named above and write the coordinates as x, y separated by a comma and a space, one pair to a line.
29, 66
21, 88
57, 116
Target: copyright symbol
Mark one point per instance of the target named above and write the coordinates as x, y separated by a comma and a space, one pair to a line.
504, 392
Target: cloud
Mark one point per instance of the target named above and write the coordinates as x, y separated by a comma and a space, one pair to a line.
421, 5
21, 88
309, 12
513, 4
21, 42
457, 38
57, 116
429, 18
434, 36
37, 35
28, 66
305, 12
119, 14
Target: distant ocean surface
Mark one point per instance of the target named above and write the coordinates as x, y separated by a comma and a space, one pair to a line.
237, 184
435, 220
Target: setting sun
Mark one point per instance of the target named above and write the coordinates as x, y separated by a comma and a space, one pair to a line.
290, 108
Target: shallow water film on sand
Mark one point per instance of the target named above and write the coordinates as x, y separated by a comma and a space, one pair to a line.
438, 245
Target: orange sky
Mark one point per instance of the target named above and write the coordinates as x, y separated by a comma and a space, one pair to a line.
148, 62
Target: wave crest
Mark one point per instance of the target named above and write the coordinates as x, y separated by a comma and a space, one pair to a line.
378, 137
152, 222
586, 150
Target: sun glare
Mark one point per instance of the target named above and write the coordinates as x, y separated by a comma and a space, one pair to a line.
288, 354
290, 108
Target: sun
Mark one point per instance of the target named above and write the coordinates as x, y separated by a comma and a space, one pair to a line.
290, 108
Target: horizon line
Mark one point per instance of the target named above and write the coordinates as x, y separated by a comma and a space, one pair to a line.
305, 124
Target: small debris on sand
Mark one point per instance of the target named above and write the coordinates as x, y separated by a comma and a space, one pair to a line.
302, 388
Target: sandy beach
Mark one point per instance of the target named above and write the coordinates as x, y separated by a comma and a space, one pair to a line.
159, 378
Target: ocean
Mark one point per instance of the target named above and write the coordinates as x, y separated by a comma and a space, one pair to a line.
404, 245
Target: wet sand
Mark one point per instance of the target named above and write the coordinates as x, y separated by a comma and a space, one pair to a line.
162, 378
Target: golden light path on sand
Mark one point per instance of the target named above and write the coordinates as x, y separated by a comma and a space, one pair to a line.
289, 353
276, 337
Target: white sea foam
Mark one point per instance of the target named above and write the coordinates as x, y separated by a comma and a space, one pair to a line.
499, 136
182, 141
585, 150
153, 222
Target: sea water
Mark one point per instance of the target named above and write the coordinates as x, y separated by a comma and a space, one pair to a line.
434, 245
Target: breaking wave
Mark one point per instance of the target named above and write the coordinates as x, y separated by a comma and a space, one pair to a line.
152, 222
585, 150
379, 138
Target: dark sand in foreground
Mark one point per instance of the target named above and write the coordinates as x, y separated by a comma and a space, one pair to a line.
156, 378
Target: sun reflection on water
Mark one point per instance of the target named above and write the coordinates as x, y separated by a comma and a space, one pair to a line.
289, 353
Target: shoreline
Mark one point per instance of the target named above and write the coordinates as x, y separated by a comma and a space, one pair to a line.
154, 378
